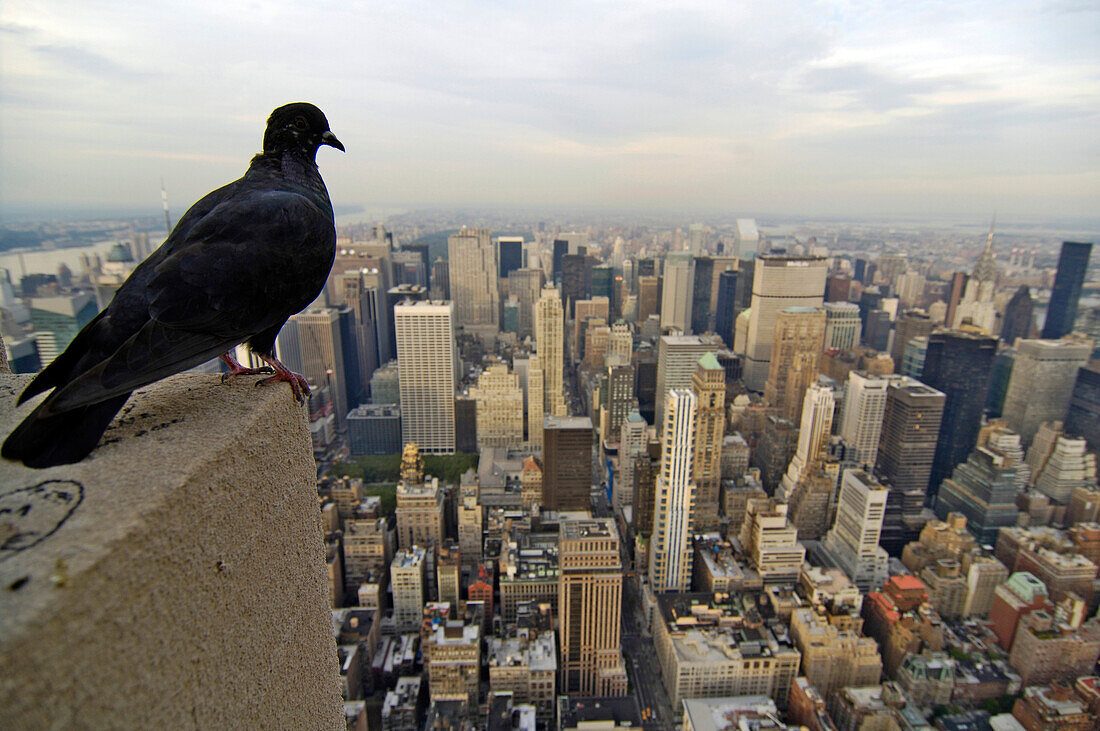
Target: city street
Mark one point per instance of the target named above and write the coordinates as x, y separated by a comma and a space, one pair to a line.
641, 661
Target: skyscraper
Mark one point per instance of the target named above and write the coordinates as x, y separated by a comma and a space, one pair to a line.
1062, 311
1042, 381
910, 324
958, 364
677, 356
649, 288
726, 309
675, 501
590, 583
708, 384
321, 350
573, 268
678, 281
1018, 320
795, 352
499, 408
567, 462
853, 540
550, 341
842, 325
510, 254
819, 404
473, 274
526, 286
746, 238
703, 279
427, 365
907, 448
779, 282
862, 415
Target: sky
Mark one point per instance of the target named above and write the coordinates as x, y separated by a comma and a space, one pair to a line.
838, 107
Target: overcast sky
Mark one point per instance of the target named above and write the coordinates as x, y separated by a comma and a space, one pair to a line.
834, 107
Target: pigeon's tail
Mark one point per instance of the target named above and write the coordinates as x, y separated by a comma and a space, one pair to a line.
47, 441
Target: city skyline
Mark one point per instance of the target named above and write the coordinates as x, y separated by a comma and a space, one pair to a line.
838, 109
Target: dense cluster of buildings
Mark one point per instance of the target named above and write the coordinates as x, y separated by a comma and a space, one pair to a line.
725, 481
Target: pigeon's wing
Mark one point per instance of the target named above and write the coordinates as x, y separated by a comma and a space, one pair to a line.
249, 264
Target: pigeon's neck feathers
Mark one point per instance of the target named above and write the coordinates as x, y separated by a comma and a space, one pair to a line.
291, 168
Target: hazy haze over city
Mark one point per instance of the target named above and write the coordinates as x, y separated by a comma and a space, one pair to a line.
827, 108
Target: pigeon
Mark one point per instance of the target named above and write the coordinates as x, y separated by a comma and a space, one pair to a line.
238, 264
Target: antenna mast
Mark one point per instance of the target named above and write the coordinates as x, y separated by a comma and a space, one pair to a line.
164, 200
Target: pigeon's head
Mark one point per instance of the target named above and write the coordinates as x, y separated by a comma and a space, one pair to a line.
299, 128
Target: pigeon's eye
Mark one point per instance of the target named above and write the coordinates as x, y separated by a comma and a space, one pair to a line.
300, 123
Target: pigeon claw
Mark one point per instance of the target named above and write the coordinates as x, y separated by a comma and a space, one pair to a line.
236, 369
297, 383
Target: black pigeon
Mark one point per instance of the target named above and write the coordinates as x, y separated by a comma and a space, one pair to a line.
238, 264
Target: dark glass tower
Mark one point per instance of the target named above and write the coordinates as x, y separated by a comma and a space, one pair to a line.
700, 294
960, 365
561, 248
1018, 320
726, 313
1062, 311
511, 256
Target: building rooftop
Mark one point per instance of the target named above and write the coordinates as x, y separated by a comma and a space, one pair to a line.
597, 712
743, 713
551, 421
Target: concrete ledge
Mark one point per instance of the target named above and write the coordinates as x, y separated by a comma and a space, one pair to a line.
176, 578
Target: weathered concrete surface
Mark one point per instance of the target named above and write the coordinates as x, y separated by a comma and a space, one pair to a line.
174, 579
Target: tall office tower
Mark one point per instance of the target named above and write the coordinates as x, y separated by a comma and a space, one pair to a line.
535, 394
649, 302
510, 254
697, 239
473, 274
726, 308
910, 324
441, 279
746, 238
813, 436
677, 283
912, 360
1042, 381
427, 364
1083, 417
590, 585
708, 384
956, 287
58, 319
702, 279
1062, 311
779, 282
862, 415
355, 387
573, 289
561, 248
853, 540
633, 440
670, 549
316, 337
499, 408
958, 364
526, 286
364, 304
409, 268
550, 341
621, 342
397, 295
842, 325
1019, 320
677, 356
567, 462
984, 490
910, 288
620, 397
906, 450
604, 285
448, 572
407, 583
419, 510
795, 353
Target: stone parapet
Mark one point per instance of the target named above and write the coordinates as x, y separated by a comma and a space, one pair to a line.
176, 577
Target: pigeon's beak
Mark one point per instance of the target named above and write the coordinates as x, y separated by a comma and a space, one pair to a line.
330, 139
